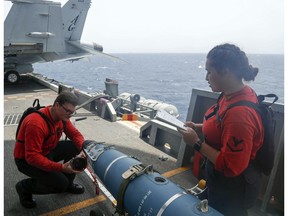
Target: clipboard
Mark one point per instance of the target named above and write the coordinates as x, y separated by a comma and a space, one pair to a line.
166, 117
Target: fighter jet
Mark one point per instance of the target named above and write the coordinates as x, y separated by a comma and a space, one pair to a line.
43, 31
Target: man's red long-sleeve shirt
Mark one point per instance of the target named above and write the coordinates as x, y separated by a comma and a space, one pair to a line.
238, 137
39, 141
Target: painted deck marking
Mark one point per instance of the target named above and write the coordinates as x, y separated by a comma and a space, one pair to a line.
76, 206
175, 171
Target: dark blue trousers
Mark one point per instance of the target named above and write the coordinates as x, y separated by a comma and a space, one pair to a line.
42, 182
232, 196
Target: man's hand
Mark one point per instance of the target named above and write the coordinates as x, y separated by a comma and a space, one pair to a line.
81, 154
66, 168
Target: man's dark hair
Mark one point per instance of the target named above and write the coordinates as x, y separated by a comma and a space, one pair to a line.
66, 97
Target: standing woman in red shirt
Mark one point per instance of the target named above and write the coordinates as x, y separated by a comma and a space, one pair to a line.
231, 140
38, 152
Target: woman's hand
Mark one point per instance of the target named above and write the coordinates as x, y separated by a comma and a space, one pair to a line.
189, 135
195, 126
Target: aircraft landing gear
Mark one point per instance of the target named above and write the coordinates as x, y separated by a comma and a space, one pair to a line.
12, 77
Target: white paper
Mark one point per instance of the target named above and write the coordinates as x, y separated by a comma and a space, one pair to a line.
170, 119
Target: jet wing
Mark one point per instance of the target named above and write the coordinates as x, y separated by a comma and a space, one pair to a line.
92, 49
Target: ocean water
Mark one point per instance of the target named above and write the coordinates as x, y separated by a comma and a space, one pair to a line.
169, 78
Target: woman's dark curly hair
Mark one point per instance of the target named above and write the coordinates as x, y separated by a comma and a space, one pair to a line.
229, 56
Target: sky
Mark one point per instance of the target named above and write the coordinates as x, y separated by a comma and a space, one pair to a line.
183, 26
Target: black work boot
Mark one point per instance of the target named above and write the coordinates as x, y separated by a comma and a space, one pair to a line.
25, 198
75, 189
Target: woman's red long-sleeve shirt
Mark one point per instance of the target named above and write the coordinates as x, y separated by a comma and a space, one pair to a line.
238, 137
35, 141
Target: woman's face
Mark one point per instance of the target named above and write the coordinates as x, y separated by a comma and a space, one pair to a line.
216, 80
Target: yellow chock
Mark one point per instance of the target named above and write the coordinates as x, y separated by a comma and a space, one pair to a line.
202, 184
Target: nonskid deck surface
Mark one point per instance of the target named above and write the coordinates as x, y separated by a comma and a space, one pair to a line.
125, 139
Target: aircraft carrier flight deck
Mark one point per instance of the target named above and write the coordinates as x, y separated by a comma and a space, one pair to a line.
125, 136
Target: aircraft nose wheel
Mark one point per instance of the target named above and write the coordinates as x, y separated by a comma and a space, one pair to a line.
12, 77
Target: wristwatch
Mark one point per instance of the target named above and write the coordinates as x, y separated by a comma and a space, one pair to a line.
197, 145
